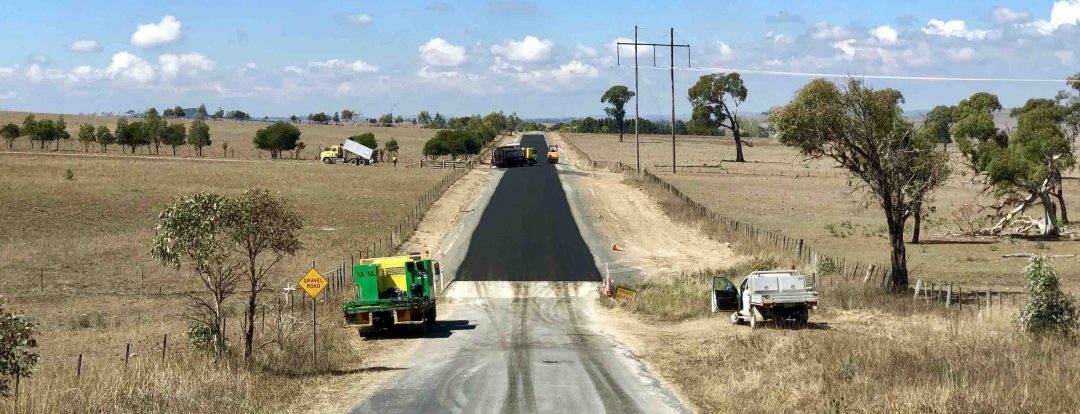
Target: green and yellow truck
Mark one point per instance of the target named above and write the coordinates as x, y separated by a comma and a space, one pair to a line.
393, 290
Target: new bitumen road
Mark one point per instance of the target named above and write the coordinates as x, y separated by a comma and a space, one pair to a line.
527, 232
517, 331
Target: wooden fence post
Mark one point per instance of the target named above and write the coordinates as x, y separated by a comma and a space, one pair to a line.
164, 346
127, 354
78, 367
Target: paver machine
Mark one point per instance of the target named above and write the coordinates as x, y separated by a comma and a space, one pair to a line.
394, 290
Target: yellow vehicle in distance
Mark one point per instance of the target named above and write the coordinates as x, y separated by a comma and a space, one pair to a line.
553, 154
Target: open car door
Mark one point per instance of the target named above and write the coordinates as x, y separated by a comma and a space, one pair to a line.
725, 296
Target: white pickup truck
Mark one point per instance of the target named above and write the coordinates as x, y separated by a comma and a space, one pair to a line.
777, 295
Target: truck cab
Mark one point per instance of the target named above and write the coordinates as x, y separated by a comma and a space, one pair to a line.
773, 295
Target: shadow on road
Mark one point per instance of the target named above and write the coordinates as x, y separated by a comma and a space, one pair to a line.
441, 329
340, 372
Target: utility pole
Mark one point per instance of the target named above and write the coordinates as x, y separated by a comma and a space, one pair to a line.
637, 107
637, 96
672, 46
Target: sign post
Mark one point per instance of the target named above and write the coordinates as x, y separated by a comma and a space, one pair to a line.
313, 283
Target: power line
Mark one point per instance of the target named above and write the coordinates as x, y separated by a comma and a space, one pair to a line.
848, 75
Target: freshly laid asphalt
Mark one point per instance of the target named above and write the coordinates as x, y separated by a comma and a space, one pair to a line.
528, 233
517, 331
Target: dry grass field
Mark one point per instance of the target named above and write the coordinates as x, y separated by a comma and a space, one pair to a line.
859, 361
824, 209
238, 135
74, 256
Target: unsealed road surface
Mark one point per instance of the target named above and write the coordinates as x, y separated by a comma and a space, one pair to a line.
518, 335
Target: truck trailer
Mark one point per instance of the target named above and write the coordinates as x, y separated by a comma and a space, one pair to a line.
349, 152
508, 156
394, 290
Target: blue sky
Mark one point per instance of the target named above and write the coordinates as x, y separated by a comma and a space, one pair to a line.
540, 59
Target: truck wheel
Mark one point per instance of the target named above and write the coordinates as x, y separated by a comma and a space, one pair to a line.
355, 162
327, 161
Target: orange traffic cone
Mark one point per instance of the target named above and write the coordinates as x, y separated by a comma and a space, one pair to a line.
616, 248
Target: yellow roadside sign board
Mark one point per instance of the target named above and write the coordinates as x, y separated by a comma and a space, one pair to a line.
313, 282
624, 295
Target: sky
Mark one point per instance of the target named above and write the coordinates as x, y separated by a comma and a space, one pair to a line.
539, 59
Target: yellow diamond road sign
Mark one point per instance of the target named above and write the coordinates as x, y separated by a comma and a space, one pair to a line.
313, 282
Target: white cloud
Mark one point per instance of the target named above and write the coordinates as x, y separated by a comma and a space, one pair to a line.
191, 64
8, 95
963, 54
83, 71
426, 73
1063, 12
339, 65
1005, 15
725, 52
582, 51
84, 46
847, 47
564, 74
128, 67
954, 28
438, 52
626, 50
1065, 57
152, 35
777, 38
826, 31
359, 19
885, 34
529, 49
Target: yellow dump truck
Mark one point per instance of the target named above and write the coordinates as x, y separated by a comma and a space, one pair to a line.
349, 152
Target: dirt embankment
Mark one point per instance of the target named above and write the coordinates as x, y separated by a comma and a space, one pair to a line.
651, 244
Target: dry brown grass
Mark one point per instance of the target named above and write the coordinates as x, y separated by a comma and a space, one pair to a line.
865, 352
864, 362
830, 215
89, 238
239, 136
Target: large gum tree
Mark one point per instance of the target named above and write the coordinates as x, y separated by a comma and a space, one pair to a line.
864, 131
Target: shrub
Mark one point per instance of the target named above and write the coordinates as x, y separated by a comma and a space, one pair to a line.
201, 336
764, 263
1048, 309
16, 345
827, 266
